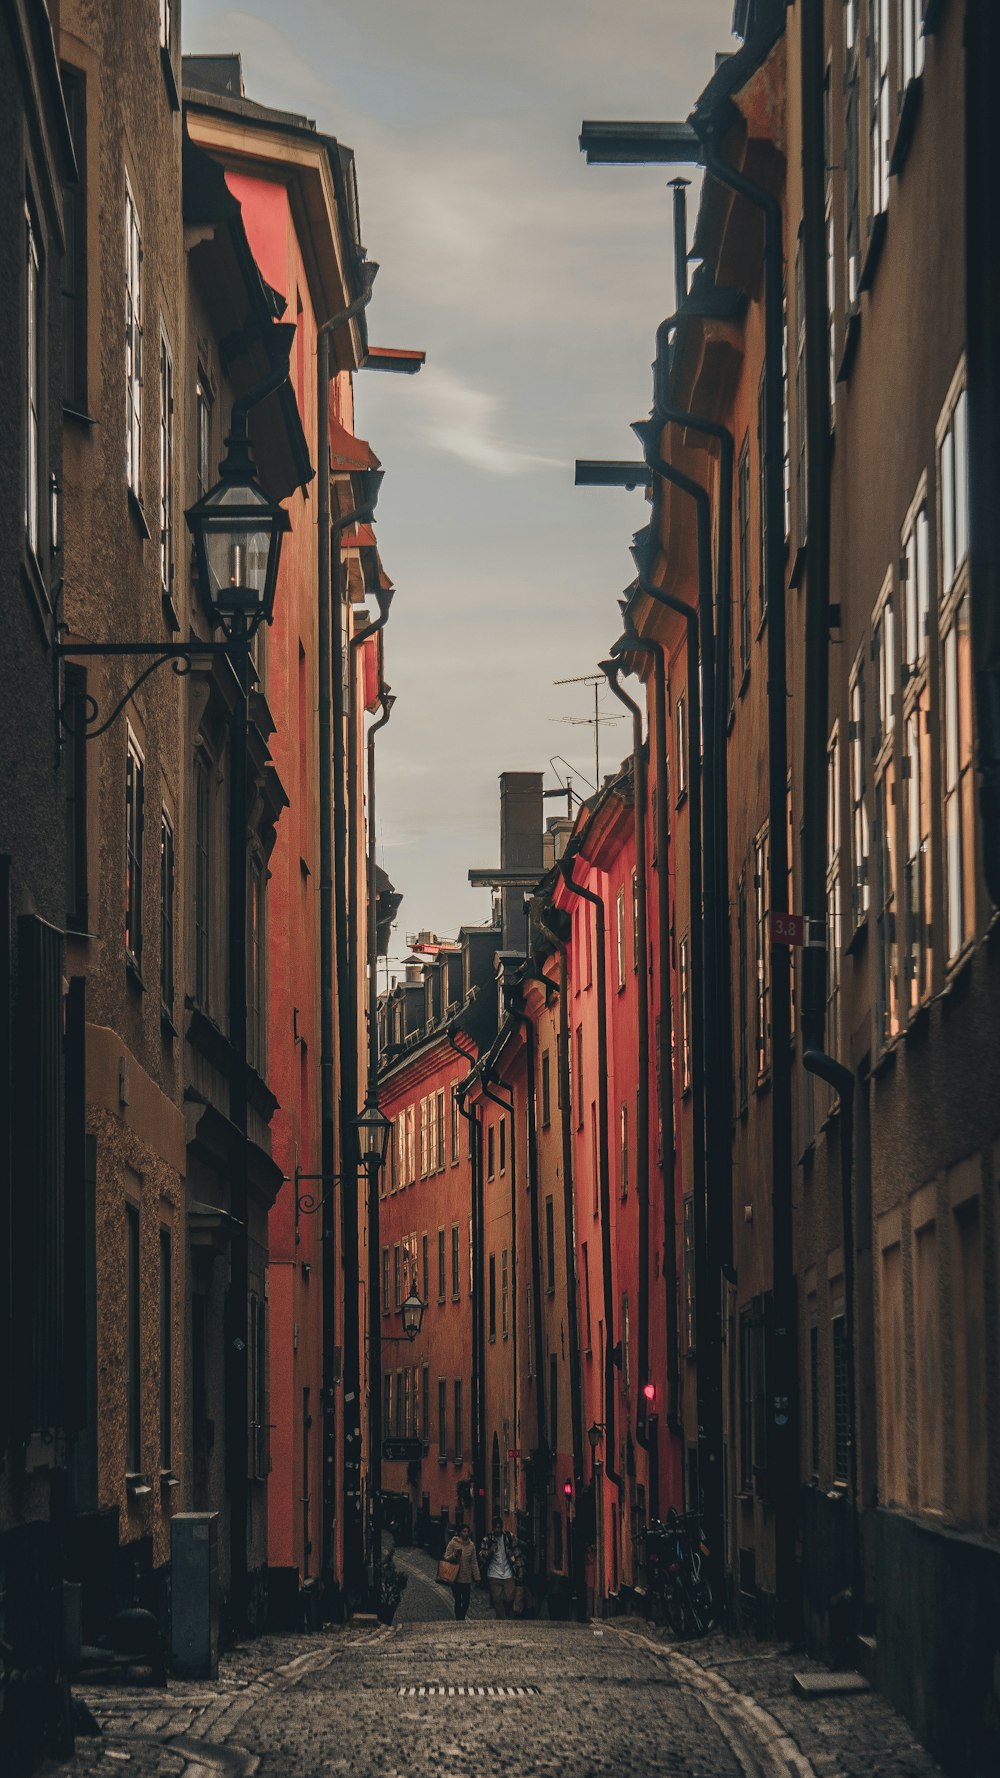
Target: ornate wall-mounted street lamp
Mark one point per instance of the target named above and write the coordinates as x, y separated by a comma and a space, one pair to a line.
237, 535
374, 1130
413, 1315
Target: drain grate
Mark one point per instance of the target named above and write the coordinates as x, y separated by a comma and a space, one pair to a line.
469, 1691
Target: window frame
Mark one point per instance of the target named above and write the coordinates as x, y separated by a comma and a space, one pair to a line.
168, 889
133, 345
135, 785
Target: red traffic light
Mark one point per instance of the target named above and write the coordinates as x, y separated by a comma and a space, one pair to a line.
568, 1489
649, 1391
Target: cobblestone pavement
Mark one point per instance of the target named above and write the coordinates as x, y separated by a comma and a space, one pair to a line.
430, 1698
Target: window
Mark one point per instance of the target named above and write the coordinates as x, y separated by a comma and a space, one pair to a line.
913, 41
746, 1406
425, 1405
458, 1420
492, 1303
684, 986
75, 787
456, 1280
133, 346
166, 22
33, 400
386, 1403
202, 861
579, 1077
504, 1294
74, 262
623, 1150
635, 919
958, 779
425, 1268
915, 568
954, 492
878, 106
680, 716
743, 1052
690, 1335
786, 426
411, 1145
852, 149
831, 297
743, 552
841, 1415
887, 1001
442, 1419
166, 912
547, 1089
259, 1457
455, 1126
134, 777
916, 868
557, 1541
503, 1143
762, 912
424, 1140
257, 965
801, 450
814, 1397
385, 1280
626, 1346
490, 1150
442, 1245
857, 763
762, 484
884, 670
529, 1325
440, 1130
553, 1402
166, 466
133, 1428
166, 1351
203, 434
400, 1406
585, 1272
550, 1247
409, 1404
833, 908
620, 936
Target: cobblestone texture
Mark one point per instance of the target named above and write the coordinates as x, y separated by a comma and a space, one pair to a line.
614, 1700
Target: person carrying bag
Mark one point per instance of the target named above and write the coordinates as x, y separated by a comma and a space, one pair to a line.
458, 1568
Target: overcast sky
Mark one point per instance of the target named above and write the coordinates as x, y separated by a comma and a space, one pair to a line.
535, 286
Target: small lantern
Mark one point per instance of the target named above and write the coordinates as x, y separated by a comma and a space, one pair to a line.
374, 1130
595, 1434
237, 533
413, 1315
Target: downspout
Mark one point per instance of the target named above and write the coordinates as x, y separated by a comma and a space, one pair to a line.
569, 1222
332, 862
471, 1117
604, 1163
528, 1026
982, 46
783, 1428
611, 670
512, 1282
375, 1428
668, 1161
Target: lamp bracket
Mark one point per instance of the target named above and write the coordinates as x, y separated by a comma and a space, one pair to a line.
181, 656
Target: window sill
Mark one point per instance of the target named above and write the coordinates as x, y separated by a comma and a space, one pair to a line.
79, 414
133, 974
878, 228
886, 1058
141, 522
169, 79
909, 113
137, 1486
798, 567
858, 939
852, 334
168, 1480
167, 1026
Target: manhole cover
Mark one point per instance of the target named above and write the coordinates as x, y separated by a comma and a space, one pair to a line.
469, 1691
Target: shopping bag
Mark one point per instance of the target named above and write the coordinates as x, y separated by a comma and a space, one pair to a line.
447, 1573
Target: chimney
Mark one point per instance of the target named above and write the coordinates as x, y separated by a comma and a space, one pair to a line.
557, 832
521, 846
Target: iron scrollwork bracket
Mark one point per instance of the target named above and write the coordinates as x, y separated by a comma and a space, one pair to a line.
181, 656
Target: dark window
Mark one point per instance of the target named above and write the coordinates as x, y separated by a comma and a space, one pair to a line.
746, 1405
425, 1263
385, 1280
386, 1403
425, 1405
585, 1268
133, 1444
690, 1322
553, 1401
550, 1246
134, 777
814, 1398
166, 1351
546, 1090
74, 262
442, 1418
256, 967
852, 150
400, 1407
841, 1428
557, 1540
75, 781
743, 549
503, 1144
504, 1294
743, 1057
166, 911
458, 1420
203, 434
456, 1276
258, 1453
490, 1151
202, 879
441, 1265
579, 1077
493, 1297
166, 454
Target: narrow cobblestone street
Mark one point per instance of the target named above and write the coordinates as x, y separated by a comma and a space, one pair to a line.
429, 1698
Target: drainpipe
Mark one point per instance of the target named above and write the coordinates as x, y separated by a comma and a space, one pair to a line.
508, 1110
982, 45
471, 1117
611, 670
375, 1427
643, 644
783, 1430
604, 1162
569, 1221
679, 188
332, 859
528, 1027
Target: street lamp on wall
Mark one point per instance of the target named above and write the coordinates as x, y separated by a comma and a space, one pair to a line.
237, 533
373, 1130
413, 1315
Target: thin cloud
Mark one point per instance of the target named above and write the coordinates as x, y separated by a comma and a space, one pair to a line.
458, 418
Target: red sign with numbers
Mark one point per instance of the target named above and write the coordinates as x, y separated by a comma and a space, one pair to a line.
788, 929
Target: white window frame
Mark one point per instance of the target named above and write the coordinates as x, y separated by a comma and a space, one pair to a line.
166, 464
133, 345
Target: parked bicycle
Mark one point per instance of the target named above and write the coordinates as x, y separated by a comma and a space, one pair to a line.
679, 1592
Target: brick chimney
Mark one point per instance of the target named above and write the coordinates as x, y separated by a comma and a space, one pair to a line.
521, 846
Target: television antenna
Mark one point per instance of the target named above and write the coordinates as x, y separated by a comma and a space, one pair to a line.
594, 722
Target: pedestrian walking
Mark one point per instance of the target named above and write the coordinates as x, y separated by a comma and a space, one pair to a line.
462, 1550
503, 1564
